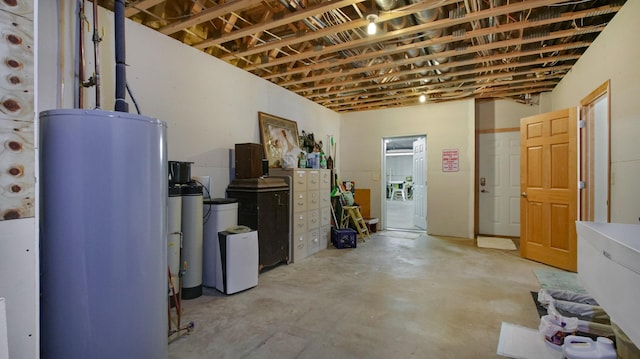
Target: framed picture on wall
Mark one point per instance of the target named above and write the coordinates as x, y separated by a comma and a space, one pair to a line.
278, 136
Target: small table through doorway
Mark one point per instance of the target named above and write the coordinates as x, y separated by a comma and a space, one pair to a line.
396, 188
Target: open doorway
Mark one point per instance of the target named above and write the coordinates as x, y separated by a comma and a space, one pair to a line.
404, 188
595, 158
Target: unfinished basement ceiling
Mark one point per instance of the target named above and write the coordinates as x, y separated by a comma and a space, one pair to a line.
445, 49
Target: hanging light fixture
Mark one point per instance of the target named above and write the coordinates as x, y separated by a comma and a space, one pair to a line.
372, 16
372, 28
422, 98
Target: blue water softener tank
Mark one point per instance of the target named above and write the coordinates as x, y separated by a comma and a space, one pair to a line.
103, 238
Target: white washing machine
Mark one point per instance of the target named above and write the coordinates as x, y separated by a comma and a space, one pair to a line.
237, 261
223, 214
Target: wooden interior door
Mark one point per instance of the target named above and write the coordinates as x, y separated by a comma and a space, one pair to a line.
548, 185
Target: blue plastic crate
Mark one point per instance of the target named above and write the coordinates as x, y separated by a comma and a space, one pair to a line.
343, 238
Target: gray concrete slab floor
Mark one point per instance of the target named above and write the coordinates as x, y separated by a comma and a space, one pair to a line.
398, 295
399, 215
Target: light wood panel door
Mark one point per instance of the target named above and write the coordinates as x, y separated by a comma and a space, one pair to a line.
548, 185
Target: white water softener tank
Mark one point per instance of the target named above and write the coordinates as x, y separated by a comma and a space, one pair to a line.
191, 241
103, 232
223, 214
174, 240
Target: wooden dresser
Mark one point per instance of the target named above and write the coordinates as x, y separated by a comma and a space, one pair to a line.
310, 209
263, 204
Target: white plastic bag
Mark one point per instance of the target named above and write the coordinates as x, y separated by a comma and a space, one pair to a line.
586, 326
584, 311
545, 295
290, 158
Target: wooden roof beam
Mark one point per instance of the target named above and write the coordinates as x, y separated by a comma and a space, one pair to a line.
296, 16
474, 61
365, 83
139, 6
351, 25
209, 14
438, 24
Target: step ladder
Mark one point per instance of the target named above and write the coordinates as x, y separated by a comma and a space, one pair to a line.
353, 213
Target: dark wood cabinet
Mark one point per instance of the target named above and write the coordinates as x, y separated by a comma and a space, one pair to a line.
263, 204
248, 160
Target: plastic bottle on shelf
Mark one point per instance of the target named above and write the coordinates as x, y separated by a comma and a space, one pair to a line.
302, 160
330, 163
323, 161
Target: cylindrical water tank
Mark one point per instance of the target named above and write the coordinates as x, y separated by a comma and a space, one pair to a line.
223, 213
174, 240
191, 241
103, 178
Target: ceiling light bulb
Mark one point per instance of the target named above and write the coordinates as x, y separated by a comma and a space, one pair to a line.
423, 98
372, 28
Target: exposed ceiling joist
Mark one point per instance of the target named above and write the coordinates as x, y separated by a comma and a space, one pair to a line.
445, 49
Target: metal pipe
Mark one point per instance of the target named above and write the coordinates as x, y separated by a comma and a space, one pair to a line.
424, 17
61, 53
96, 53
81, 61
121, 75
386, 5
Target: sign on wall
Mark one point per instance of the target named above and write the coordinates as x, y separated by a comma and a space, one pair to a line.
450, 160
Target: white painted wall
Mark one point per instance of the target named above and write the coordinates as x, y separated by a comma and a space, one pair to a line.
399, 167
503, 114
19, 285
208, 105
450, 206
614, 56
601, 160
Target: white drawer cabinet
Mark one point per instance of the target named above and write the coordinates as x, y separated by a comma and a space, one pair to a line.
299, 245
311, 211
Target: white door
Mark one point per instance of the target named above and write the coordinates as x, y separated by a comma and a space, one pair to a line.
499, 180
419, 183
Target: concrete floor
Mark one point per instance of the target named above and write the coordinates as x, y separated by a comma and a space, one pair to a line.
399, 215
399, 295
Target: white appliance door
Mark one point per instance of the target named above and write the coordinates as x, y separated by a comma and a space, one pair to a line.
238, 261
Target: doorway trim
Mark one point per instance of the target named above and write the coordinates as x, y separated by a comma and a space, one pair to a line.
479, 189
384, 224
476, 173
588, 158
